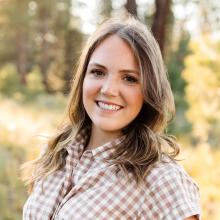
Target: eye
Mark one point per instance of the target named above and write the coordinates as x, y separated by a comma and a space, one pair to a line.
97, 73
130, 79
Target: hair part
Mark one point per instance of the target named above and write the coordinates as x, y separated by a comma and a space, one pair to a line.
145, 141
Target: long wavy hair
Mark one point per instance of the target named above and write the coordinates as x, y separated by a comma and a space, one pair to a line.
145, 139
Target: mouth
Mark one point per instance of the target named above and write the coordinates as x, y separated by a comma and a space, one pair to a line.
108, 106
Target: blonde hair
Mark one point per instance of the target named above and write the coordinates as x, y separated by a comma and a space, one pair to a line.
145, 141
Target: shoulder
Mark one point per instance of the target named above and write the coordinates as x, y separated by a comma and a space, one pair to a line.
169, 171
170, 191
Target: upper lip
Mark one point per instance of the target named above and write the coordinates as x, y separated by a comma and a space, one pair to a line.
109, 103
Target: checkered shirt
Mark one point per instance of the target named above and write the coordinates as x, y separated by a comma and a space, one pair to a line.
89, 188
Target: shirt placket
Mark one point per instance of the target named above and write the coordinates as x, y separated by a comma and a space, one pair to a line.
81, 168
71, 162
84, 164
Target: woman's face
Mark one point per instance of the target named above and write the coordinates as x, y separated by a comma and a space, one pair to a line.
112, 94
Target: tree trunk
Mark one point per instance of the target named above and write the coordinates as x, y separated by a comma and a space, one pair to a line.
105, 9
73, 42
160, 21
44, 61
20, 25
131, 7
69, 61
21, 55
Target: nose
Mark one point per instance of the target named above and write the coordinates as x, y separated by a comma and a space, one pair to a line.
110, 87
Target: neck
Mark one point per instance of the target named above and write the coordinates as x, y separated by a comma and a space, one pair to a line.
99, 137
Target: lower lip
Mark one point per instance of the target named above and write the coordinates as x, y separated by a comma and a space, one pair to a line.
107, 110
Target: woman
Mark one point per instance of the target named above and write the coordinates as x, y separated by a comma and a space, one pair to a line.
112, 159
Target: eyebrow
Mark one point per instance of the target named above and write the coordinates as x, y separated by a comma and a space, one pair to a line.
123, 71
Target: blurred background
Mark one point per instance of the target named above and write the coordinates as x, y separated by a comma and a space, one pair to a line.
40, 42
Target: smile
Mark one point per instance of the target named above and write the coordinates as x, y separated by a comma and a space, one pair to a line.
110, 107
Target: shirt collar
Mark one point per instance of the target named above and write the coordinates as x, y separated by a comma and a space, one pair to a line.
99, 153
106, 150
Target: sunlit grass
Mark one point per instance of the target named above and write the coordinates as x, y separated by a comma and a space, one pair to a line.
24, 130
28, 125
202, 164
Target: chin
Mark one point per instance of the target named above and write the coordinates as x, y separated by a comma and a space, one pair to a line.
109, 128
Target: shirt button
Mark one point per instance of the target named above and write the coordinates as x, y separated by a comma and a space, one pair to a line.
87, 153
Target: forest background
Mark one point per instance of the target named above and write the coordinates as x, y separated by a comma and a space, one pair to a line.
40, 45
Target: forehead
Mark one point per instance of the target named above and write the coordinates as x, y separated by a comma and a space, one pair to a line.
114, 50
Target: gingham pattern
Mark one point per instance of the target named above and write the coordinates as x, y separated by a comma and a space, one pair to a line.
89, 189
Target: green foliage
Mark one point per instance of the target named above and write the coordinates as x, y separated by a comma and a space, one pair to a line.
34, 82
12, 87
9, 79
202, 74
44, 33
175, 68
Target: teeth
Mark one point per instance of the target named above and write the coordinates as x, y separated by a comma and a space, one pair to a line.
108, 107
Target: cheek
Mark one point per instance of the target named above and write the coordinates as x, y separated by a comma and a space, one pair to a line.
90, 89
137, 106
135, 99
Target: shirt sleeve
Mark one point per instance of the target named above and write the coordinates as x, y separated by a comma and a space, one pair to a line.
172, 195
